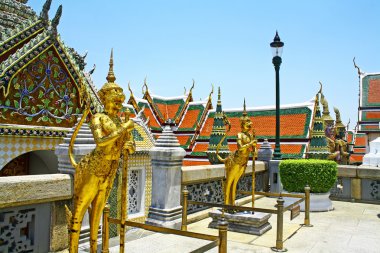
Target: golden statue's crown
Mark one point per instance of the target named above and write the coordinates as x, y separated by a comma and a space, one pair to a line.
110, 77
245, 115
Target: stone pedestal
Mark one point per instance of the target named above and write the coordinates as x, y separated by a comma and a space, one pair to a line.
167, 157
247, 223
274, 176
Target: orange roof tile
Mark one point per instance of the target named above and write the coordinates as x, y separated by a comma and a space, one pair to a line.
374, 91
289, 125
356, 158
200, 147
373, 115
168, 111
207, 128
292, 125
360, 141
190, 119
184, 140
152, 120
370, 126
350, 137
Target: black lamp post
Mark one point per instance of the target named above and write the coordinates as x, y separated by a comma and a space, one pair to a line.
276, 46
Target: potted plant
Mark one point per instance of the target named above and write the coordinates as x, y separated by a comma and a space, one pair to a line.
320, 175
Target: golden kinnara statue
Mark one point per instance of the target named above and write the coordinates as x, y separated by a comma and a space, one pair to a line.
236, 162
95, 173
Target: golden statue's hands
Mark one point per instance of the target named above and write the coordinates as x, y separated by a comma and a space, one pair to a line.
129, 147
127, 126
253, 143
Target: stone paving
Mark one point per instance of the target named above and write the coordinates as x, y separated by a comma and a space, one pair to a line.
351, 227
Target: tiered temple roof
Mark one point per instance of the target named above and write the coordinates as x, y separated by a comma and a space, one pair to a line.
369, 104
295, 121
194, 126
368, 125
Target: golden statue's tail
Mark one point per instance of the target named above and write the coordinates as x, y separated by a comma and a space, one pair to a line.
228, 128
72, 140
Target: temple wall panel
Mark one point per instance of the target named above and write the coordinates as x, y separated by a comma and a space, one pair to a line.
12, 146
41, 93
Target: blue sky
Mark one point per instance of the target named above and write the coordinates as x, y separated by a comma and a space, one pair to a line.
227, 43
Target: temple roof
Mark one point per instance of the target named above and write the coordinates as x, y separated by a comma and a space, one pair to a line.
41, 79
295, 121
195, 120
14, 14
369, 103
295, 128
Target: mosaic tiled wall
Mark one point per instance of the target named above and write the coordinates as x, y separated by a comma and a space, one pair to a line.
139, 190
212, 191
11, 147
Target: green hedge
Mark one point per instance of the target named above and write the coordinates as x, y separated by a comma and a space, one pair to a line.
320, 175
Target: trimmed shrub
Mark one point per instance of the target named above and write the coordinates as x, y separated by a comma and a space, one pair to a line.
320, 175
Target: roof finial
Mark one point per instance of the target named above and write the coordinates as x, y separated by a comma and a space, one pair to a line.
144, 85
192, 87
219, 95
320, 89
129, 88
356, 66
45, 10
55, 21
111, 76
212, 91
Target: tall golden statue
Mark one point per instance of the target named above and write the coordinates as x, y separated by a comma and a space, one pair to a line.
236, 162
95, 173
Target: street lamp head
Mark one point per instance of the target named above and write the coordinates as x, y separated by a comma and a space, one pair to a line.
277, 46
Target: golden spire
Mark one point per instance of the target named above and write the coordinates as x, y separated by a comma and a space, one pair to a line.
111, 76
